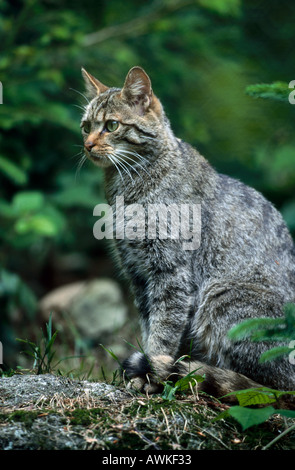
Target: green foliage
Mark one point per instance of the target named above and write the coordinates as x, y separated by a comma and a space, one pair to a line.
29, 216
13, 172
112, 354
184, 383
275, 91
280, 329
259, 396
269, 329
248, 417
43, 351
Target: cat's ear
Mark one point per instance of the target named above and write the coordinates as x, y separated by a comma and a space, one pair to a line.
93, 86
137, 90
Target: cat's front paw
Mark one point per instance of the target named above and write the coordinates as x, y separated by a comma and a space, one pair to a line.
137, 369
139, 384
139, 372
146, 374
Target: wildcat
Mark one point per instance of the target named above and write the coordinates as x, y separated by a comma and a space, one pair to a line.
189, 299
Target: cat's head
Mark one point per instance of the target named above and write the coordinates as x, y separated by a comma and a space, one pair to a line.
120, 125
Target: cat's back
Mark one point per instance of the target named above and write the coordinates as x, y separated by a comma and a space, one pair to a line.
247, 234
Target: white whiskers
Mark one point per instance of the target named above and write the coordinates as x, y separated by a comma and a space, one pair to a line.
80, 164
80, 107
81, 159
120, 158
125, 162
82, 94
112, 158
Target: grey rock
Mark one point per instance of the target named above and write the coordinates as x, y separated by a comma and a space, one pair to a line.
96, 307
33, 412
23, 390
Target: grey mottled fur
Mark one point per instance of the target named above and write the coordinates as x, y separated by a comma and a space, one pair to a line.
244, 267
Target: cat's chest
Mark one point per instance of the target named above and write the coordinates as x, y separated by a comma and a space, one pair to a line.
136, 256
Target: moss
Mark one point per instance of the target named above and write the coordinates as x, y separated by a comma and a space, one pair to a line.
127, 440
79, 417
25, 417
85, 417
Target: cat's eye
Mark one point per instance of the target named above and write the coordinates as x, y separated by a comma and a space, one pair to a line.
111, 125
86, 127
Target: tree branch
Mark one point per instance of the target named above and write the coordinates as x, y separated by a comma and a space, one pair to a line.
136, 26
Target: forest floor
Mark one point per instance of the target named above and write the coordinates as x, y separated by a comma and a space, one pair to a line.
50, 412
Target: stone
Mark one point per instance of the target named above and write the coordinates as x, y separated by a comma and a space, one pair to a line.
96, 307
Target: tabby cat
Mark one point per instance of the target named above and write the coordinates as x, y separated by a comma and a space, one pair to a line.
189, 299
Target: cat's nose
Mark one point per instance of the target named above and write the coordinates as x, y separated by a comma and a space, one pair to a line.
89, 144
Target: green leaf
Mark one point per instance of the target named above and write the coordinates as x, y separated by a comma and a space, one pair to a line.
169, 391
274, 353
248, 417
27, 201
113, 355
47, 221
182, 384
55, 216
49, 327
38, 224
191, 378
255, 397
258, 396
26, 341
13, 171
247, 327
287, 413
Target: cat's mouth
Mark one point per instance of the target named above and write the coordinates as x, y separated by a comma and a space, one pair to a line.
98, 159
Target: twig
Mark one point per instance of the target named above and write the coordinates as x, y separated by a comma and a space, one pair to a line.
278, 437
212, 435
136, 26
168, 430
145, 439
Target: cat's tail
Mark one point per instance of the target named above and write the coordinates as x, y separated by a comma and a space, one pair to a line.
217, 382
149, 374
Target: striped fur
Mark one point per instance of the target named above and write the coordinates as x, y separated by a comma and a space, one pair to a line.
188, 300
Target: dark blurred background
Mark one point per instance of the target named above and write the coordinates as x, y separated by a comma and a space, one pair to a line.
207, 60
